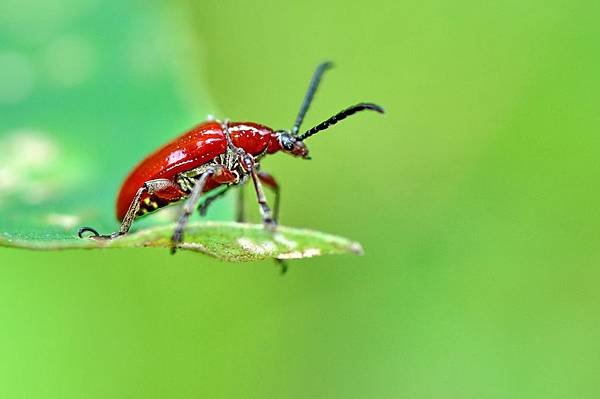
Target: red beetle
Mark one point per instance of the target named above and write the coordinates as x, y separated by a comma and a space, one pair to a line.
211, 155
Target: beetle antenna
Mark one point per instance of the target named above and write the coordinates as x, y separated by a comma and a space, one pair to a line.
340, 116
310, 93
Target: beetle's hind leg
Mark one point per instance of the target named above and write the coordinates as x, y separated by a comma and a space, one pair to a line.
150, 187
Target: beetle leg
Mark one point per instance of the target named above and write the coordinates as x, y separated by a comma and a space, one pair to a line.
282, 264
234, 153
269, 181
269, 221
151, 186
188, 208
240, 215
218, 173
265, 178
249, 165
203, 207
265, 211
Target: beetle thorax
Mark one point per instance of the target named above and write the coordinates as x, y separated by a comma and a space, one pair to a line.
253, 138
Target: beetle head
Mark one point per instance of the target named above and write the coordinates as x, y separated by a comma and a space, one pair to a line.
291, 145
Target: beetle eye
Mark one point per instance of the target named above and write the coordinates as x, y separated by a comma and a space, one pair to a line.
287, 142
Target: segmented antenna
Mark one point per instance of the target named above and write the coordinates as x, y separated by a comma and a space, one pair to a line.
340, 116
310, 93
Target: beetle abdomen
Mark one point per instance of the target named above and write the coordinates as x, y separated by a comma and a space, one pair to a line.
152, 203
192, 149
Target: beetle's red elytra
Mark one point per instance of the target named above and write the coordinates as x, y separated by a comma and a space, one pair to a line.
214, 156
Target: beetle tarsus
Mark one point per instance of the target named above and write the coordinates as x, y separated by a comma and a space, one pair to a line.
86, 229
270, 225
282, 264
95, 235
176, 239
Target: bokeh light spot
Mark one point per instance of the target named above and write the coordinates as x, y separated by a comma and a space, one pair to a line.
69, 60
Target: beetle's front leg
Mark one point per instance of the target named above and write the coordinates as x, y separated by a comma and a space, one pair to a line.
265, 211
150, 187
269, 181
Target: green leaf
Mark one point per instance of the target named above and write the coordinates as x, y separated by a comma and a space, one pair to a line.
227, 241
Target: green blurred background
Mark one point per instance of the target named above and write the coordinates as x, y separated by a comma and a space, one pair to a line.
474, 198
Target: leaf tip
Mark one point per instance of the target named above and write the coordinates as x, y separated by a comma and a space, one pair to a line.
356, 248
